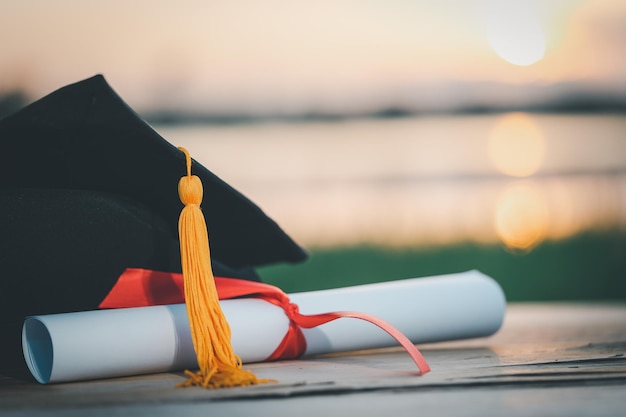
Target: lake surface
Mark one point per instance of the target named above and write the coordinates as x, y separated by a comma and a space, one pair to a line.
518, 179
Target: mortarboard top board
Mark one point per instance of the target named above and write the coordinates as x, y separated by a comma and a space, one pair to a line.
88, 189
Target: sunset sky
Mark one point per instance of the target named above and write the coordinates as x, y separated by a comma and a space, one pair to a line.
292, 56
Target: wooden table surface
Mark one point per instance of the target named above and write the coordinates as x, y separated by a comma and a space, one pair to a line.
547, 360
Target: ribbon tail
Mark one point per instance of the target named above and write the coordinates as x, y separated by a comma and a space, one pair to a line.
307, 322
404, 341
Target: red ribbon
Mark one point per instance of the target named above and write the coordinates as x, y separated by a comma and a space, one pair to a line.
142, 288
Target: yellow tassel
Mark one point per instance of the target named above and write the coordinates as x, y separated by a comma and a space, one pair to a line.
219, 365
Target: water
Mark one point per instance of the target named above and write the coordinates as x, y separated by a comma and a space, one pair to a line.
518, 179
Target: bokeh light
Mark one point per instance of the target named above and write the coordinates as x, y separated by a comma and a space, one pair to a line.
517, 145
521, 219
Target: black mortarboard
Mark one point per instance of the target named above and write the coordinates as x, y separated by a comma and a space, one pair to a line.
88, 189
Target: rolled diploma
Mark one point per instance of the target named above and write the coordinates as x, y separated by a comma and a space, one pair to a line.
132, 341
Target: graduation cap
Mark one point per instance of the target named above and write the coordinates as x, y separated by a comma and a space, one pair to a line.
88, 189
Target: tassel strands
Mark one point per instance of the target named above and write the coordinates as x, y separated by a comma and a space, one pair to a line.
219, 366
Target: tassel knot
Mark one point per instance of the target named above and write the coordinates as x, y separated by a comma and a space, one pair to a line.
190, 190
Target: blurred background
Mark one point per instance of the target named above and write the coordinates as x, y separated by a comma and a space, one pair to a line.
392, 139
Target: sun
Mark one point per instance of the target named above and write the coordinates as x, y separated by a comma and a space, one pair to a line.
515, 32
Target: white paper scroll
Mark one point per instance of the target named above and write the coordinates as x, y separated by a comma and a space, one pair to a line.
132, 341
